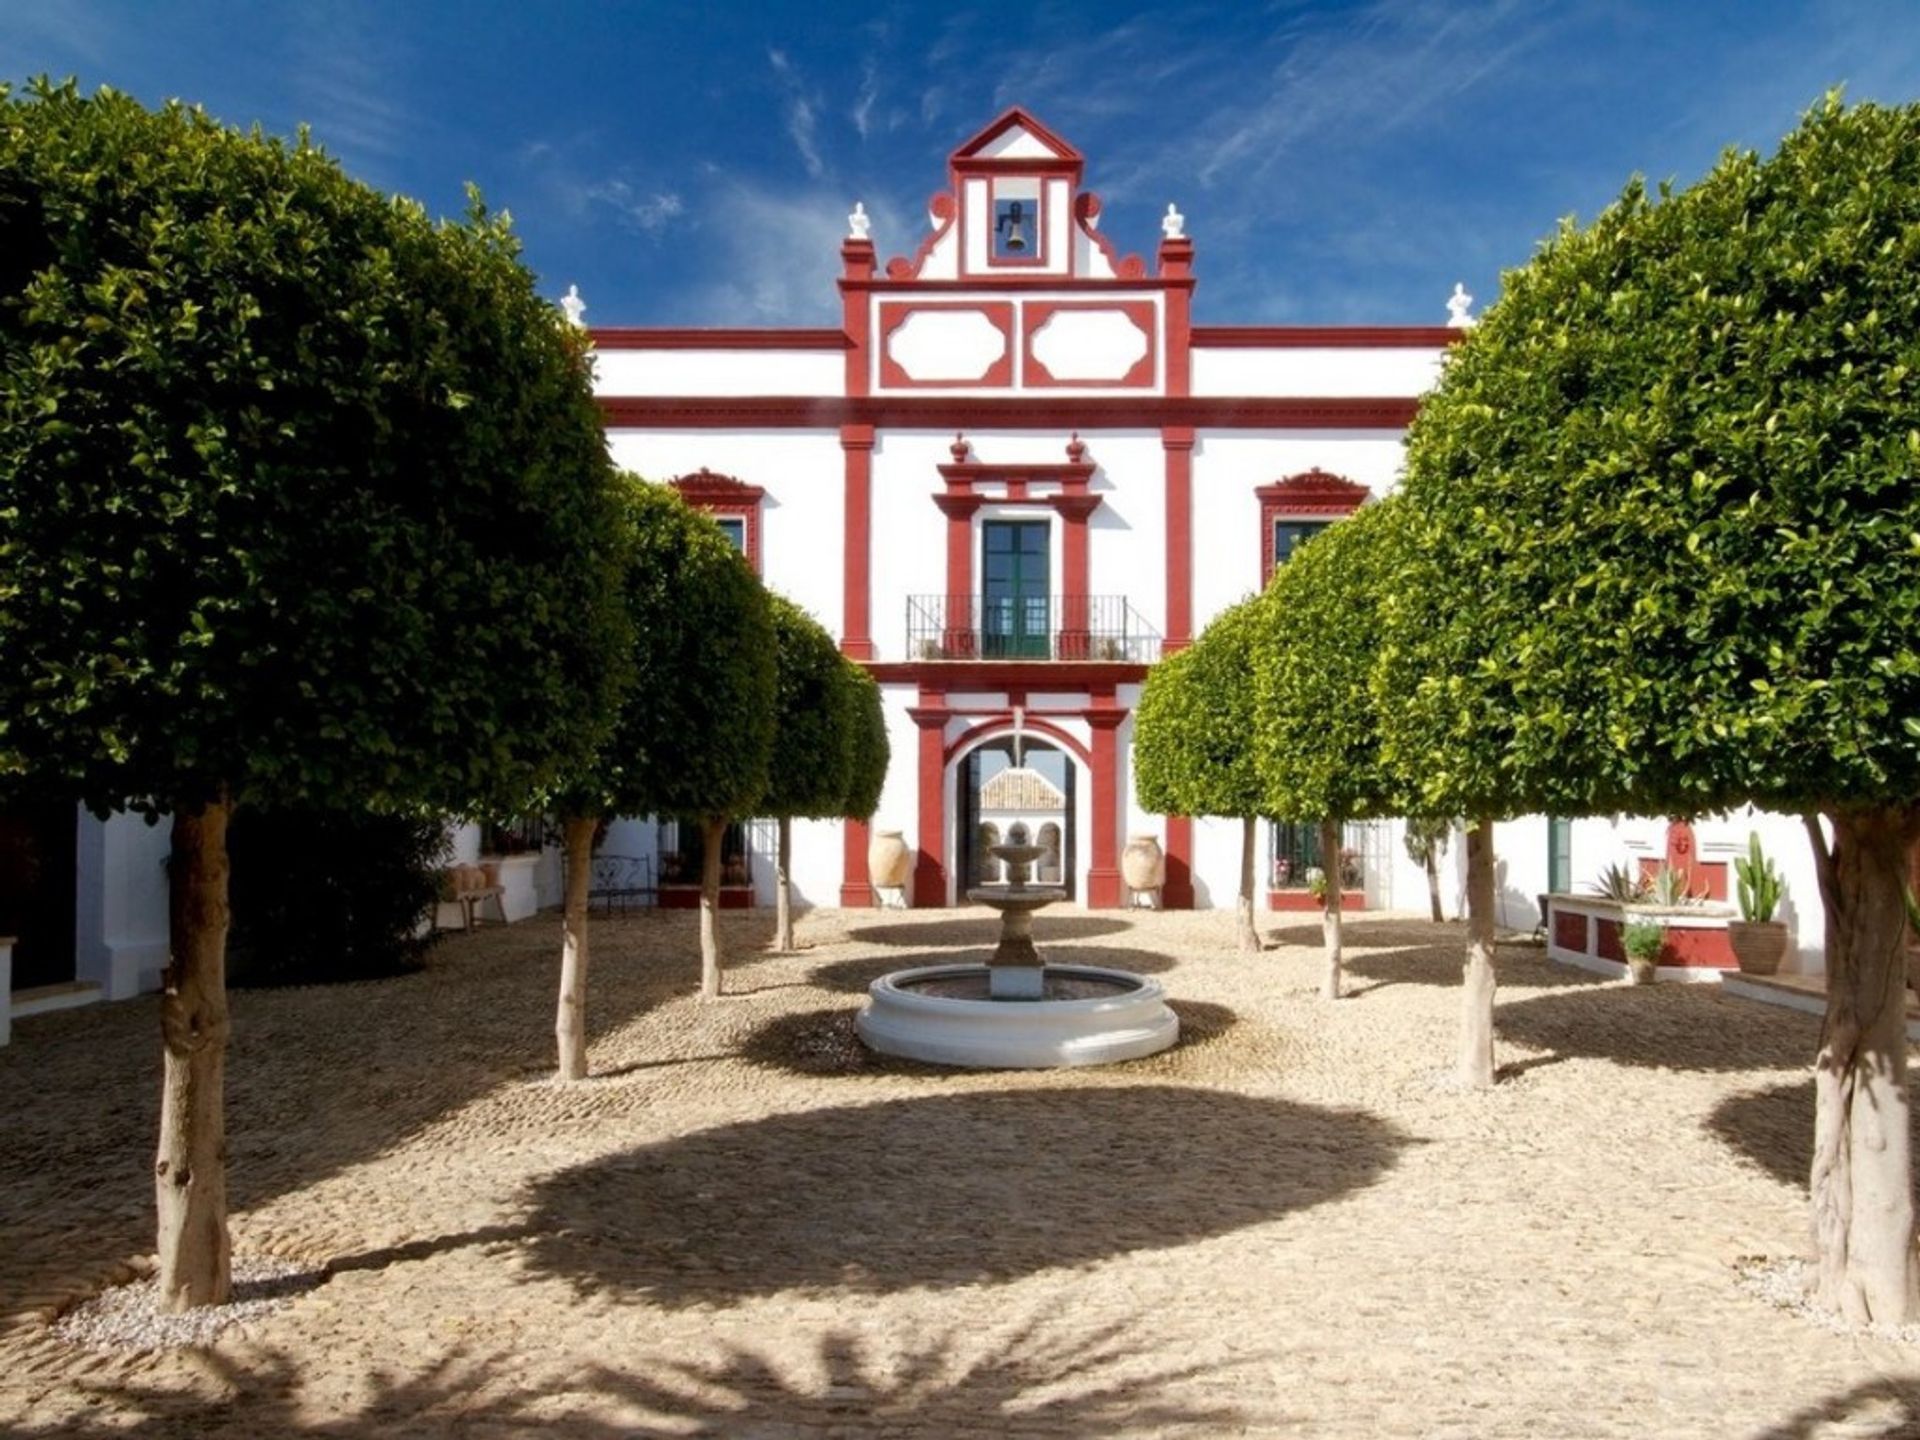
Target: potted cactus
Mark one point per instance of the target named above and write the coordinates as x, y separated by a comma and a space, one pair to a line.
1759, 941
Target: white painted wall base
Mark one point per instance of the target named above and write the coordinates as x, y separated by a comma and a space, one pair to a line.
1614, 970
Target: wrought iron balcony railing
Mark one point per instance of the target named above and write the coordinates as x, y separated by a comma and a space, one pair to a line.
1029, 627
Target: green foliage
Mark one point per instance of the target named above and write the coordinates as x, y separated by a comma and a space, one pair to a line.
1642, 939
1193, 731
1669, 887
1623, 883
1426, 837
1667, 555
868, 750
1314, 650
326, 895
694, 734
1757, 881
302, 495
808, 774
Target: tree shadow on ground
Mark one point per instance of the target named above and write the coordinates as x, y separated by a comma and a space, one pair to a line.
943, 929
825, 1043
1026, 1379
1667, 1027
1772, 1128
1444, 967
942, 1190
1887, 1409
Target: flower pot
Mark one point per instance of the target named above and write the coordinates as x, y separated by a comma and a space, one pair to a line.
1640, 971
1759, 945
1143, 864
887, 860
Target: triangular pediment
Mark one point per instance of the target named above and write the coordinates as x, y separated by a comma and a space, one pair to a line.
1016, 135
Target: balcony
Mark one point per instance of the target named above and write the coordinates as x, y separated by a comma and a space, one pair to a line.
1029, 627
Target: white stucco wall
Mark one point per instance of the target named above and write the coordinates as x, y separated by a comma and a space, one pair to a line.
1318, 373
719, 372
120, 930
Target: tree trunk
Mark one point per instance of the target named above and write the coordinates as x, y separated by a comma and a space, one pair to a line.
1433, 887
1861, 1181
570, 1020
1249, 930
1330, 984
1476, 1001
782, 899
714, 829
190, 1170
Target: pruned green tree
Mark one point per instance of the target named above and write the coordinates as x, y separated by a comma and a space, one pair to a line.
1671, 481
1426, 839
1317, 734
868, 752
1193, 739
303, 501
813, 741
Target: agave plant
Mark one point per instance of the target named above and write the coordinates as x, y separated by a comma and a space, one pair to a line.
1759, 883
1670, 887
1622, 883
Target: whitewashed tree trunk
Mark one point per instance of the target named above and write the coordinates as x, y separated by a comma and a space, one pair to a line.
1476, 1000
1433, 887
1249, 930
1862, 1174
715, 830
1331, 984
190, 1170
570, 1020
782, 890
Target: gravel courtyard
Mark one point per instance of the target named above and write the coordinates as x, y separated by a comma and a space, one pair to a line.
745, 1226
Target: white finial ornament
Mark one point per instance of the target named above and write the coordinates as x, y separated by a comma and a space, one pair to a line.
1173, 224
1458, 304
858, 223
574, 306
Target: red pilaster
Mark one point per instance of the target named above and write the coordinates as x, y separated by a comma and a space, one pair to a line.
959, 507
1076, 574
1178, 443
1176, 267
930, 854
855, 889
1177, 893
1103, 874
856, 628
856, 274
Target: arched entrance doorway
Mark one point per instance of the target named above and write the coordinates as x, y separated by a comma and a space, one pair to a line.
1015, 790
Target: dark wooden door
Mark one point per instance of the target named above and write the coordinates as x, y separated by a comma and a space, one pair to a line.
37, 864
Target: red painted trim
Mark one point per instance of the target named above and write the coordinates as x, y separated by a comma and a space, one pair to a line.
1006, 120
1003, 723
959, 412
1699, 949
1177, 893
899, 282
959, 508
1325, 337
856, 258
1047, 675
1086, 210
722, 495
1103, 875
1035, 314
856, 594
930, 855
944, 211
998, 375
1178, 443
1176, 263
649, 337
855, 888
1314, 494
1295, 902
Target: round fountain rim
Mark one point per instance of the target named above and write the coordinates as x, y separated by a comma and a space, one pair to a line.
891, 986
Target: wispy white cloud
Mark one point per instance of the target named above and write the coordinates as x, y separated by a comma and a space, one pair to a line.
800, 108
647, 212
344, 74
73, 33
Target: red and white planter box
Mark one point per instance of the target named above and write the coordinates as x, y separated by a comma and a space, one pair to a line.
1584, 930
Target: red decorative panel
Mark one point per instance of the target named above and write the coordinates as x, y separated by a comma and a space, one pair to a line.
1570, 931
1699, 949
1037, 313
1302, 901
895, 313
687, 897
1608, 941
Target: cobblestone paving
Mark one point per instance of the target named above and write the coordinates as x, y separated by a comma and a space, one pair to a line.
744, 1225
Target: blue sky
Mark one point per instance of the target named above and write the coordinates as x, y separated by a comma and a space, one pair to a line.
693, 164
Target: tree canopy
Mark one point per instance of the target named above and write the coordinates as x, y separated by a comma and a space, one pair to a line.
302, 495
1193, 732
810, 772
868, 751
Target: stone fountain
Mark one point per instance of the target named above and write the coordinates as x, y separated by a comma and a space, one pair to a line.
1017, 1011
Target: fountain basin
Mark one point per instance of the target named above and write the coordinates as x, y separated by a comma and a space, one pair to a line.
1086, 1015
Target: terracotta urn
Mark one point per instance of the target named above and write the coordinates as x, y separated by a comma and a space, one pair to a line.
1143, 864
1759, 945
888, 859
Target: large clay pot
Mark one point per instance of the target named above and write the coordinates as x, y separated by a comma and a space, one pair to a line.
887, 860
1759, 945
1143, 864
